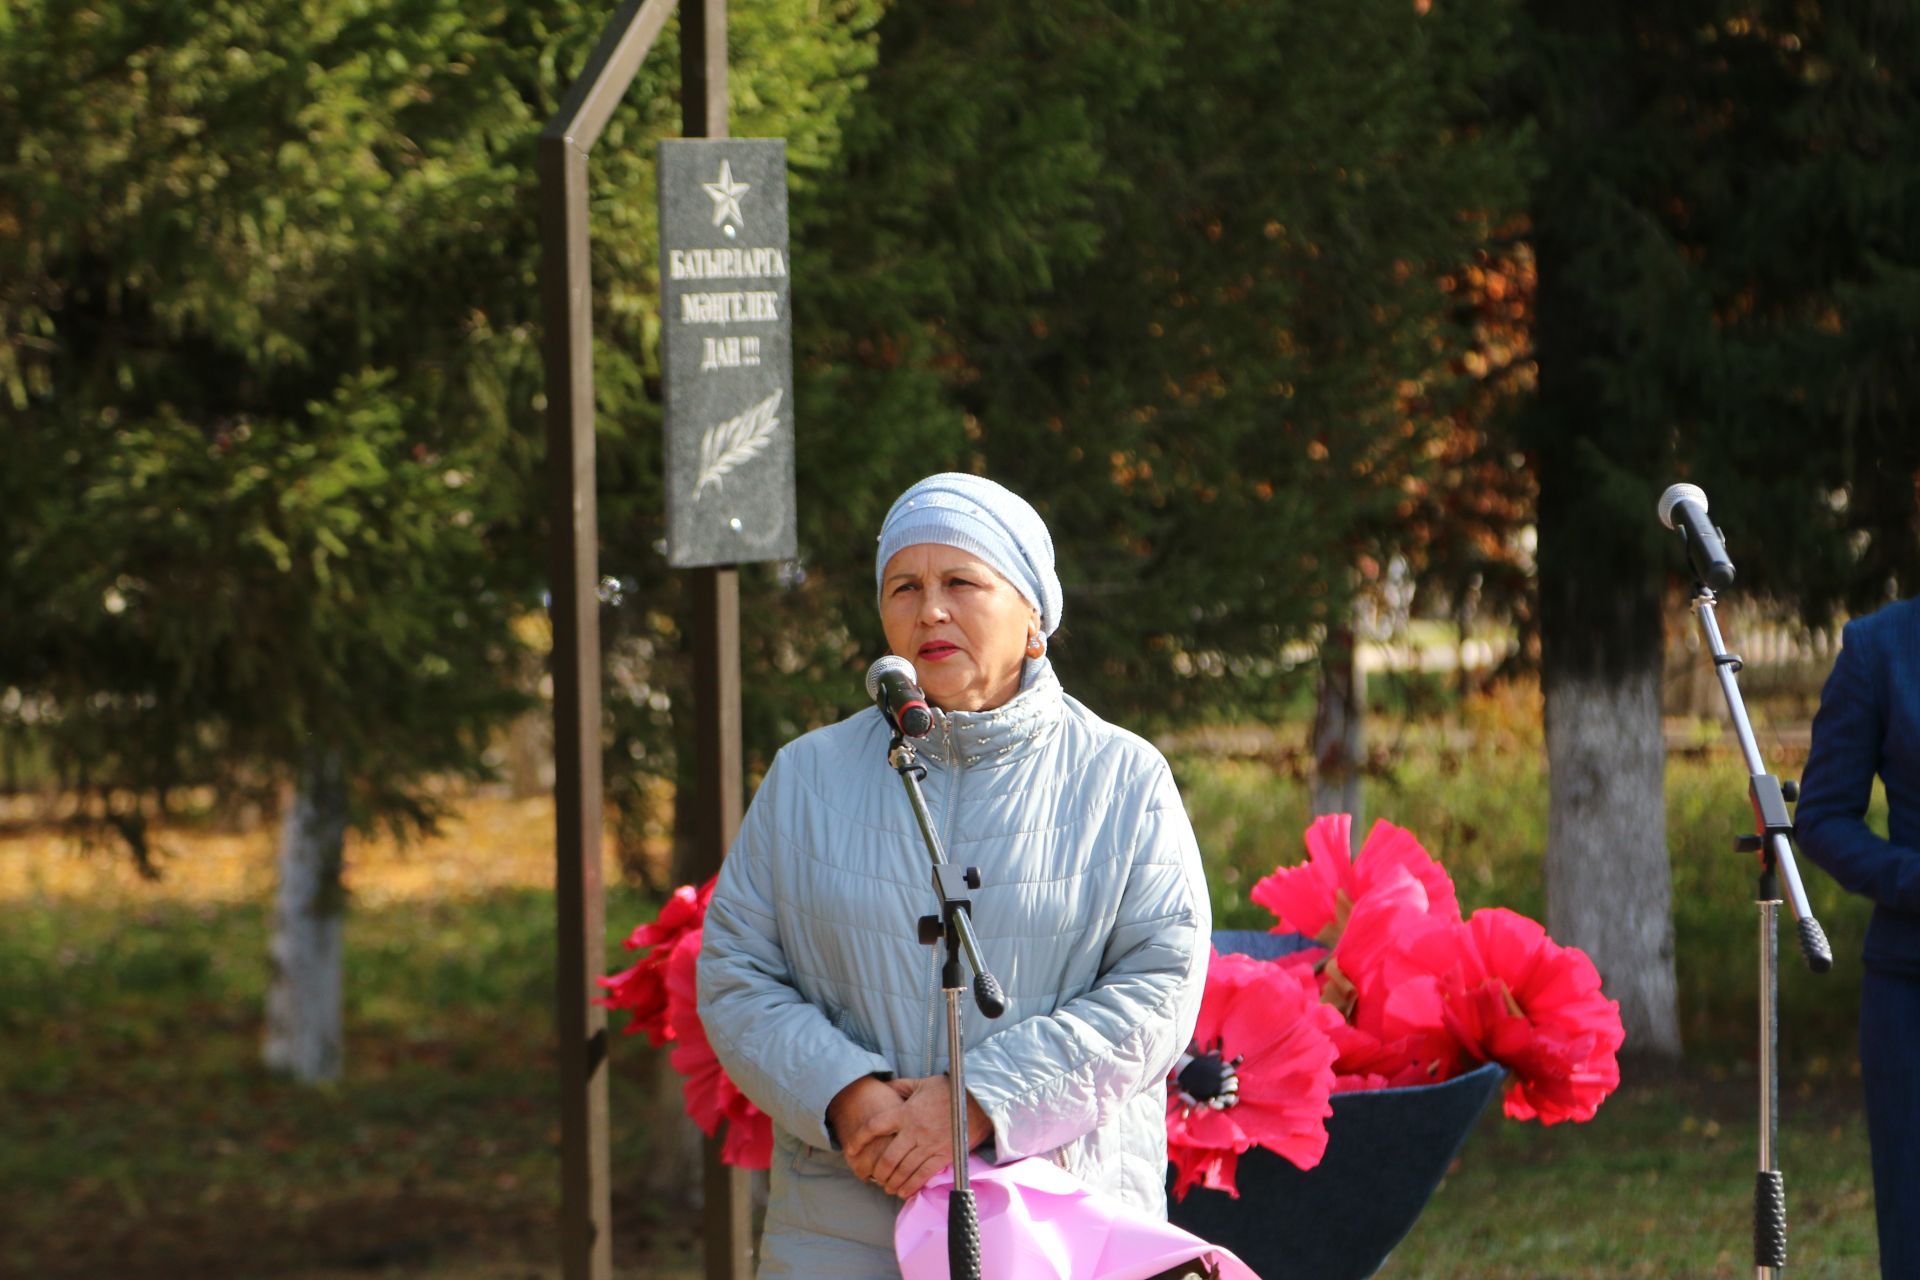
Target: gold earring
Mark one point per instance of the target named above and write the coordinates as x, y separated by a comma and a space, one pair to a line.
1036, 647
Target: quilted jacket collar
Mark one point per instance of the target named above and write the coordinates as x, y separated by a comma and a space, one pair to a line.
1005, 733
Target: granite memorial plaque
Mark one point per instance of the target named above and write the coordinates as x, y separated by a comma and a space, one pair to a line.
726, 350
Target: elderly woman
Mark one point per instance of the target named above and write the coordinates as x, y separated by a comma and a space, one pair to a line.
820, 1000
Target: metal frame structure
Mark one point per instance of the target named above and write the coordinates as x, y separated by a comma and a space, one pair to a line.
567, 306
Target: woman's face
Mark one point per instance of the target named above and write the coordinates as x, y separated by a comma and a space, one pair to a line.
963, 626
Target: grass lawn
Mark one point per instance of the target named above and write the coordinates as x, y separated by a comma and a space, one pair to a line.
140, 1138
1660, 1183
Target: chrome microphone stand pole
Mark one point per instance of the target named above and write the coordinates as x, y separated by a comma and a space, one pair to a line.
1772, 827
955, 924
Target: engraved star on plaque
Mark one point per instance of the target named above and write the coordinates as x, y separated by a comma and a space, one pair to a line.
726, 195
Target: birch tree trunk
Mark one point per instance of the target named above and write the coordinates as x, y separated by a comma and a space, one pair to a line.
1339, 728
1602, 428
303, 1036
1608, 882
1609, 885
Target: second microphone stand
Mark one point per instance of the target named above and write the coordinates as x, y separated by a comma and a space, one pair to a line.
955, 924
1772, 827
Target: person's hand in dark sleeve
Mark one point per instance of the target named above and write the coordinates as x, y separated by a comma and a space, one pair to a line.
1830, 819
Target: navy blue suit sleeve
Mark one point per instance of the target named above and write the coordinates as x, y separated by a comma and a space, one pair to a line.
1830, 821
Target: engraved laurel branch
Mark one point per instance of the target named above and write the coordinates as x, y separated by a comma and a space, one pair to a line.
734, 441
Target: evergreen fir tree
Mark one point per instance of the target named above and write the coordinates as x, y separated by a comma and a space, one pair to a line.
268, 348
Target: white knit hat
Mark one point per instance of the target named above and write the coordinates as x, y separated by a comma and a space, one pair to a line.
987, 519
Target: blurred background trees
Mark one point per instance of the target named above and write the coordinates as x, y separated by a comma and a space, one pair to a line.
271, 499
266, 510
1192, 294
1722, 233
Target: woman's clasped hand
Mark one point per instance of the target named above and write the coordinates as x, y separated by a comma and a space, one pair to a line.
896, 1134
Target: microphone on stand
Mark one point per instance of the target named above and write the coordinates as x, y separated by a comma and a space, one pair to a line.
890, 683
1683, 508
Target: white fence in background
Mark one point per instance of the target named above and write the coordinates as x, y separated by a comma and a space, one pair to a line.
1782, 659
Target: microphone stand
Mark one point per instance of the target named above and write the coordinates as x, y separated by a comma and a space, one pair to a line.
1772, 827
954, 923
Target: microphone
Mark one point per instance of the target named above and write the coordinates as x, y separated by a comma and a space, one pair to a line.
890, 682
1683, 508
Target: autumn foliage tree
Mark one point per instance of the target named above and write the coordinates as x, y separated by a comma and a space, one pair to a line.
1180, 269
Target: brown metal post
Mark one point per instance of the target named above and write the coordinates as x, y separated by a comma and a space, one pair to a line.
578, 893
567, 309
716, 691
703, 68
716, 669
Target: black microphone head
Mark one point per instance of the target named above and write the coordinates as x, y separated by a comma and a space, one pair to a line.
1677, 494
1683, 508
916, 719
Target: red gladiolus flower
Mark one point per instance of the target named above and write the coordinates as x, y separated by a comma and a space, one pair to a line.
642, 989
684, 911
709, 1094
660, 993
1316, 897
1516, 997
1216, 1168
1396, 1038
642, 992
1396, 1032
1394, 909
1259, 1073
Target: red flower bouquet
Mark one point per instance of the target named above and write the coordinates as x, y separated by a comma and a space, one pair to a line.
658, 991
1416, 995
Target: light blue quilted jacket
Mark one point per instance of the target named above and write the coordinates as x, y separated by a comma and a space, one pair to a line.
1093, 915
